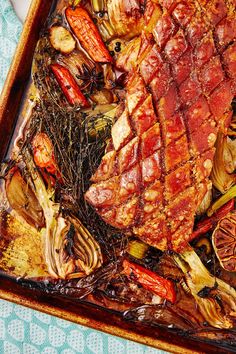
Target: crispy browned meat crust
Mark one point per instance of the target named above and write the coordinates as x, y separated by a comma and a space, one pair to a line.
178, 95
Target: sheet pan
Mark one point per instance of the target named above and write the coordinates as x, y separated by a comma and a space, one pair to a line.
23, 294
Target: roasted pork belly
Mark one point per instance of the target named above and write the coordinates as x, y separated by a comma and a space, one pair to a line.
177, 98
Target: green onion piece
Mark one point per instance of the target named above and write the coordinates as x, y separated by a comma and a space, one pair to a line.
230, 194
98, 5
137, 249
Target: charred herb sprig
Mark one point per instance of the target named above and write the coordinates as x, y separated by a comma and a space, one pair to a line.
77, 155
78, 151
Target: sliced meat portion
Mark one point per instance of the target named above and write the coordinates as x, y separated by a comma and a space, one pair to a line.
178, 95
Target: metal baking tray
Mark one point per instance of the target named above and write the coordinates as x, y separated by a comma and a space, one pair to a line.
10, 289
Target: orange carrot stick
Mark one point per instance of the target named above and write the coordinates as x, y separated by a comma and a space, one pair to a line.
88, 34
69, 86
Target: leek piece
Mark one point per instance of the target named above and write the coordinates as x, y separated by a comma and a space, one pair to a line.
74, 2
106, 30
222, 200
98, 5
137, 249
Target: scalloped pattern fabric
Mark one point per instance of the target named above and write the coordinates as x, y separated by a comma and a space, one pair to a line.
10, 29
25, 331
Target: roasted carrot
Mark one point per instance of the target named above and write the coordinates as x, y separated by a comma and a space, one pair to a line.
209, 223
87, 33
43, 152
150, 280
69, 86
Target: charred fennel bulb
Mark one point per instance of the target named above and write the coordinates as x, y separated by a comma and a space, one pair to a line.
87, 254
197, 278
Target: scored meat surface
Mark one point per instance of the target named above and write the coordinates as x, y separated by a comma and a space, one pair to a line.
178, 95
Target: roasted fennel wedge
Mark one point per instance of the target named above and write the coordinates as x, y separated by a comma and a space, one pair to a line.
70, 250
215, 299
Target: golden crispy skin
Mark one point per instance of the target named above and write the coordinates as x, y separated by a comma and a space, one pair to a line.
178, 95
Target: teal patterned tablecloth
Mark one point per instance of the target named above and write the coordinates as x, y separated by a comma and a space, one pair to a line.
26, 331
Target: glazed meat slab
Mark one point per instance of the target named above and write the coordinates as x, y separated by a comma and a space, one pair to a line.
156, 170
